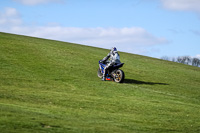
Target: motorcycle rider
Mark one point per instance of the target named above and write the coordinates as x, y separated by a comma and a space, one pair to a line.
114, 59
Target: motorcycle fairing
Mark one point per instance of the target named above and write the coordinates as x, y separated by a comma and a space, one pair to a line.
116, 66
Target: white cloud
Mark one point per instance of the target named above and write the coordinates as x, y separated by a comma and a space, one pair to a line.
36, 2
10, 17
198, 56
182, 5
133, 40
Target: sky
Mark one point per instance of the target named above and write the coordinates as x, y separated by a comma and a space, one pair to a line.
154, 28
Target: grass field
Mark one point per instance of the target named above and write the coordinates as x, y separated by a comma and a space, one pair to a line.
52, 86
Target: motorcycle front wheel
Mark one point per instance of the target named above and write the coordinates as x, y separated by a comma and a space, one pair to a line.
99, 74
119, 76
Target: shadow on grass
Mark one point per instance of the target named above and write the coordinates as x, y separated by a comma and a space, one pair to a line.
132, 81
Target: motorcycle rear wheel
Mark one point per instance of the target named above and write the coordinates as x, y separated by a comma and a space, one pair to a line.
119, 76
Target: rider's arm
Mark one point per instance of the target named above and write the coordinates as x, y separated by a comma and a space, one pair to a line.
106, 58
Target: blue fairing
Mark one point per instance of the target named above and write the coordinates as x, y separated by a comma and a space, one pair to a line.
102, 66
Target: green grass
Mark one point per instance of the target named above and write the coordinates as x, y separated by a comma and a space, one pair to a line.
52, 86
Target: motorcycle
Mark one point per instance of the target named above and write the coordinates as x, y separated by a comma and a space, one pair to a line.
113, 73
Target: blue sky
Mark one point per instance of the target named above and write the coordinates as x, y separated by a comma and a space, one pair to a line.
153, 28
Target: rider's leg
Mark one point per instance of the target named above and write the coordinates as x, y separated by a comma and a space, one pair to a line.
105, 70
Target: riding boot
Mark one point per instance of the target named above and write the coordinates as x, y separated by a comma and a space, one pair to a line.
104, 77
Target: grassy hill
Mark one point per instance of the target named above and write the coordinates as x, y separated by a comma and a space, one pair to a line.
52, 86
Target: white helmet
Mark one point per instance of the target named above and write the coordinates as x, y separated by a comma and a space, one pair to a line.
114, 50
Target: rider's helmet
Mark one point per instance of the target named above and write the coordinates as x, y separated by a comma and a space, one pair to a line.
114, 50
